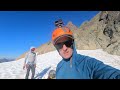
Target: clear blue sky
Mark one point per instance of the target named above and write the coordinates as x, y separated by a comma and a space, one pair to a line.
21, 29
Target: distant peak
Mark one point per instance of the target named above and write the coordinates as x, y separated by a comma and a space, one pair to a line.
71, 26
70, 22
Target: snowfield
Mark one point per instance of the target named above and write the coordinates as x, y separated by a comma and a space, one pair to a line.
48, 61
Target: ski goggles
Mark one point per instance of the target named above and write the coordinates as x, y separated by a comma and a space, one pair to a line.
67, 43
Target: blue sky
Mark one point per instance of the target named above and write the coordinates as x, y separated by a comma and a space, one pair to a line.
21, 29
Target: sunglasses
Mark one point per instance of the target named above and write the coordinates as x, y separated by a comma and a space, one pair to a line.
67, 43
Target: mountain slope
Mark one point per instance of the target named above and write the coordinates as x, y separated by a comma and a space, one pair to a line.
101, 32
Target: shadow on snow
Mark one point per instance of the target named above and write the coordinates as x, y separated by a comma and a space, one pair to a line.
41, 74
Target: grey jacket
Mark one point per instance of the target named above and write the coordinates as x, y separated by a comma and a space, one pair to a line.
30, 58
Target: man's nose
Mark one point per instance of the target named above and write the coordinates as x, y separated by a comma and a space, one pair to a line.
64, 47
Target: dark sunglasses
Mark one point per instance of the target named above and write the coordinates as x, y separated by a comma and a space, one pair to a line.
67, 43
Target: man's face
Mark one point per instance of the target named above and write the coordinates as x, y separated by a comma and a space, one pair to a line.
33, 49
64, 46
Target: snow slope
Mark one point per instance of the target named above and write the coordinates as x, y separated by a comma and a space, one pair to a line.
48, 61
